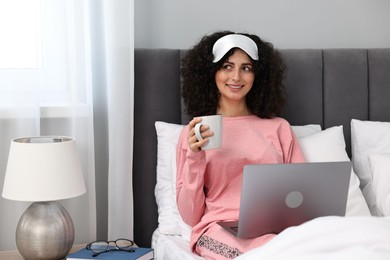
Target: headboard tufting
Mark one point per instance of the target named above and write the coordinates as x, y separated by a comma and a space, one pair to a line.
324, 86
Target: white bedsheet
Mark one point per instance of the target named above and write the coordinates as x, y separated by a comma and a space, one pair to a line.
327, 238
323, 238
171, 247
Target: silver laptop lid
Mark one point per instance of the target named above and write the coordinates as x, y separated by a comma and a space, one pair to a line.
277, 196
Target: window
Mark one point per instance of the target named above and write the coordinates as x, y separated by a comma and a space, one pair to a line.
44, 52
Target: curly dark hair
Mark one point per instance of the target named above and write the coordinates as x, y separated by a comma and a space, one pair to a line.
199, 90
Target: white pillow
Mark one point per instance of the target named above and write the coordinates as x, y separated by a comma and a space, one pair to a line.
305, 130
329, 145
165, 190
380, 170
368, 137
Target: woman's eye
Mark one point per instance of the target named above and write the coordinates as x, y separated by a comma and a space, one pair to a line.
227, 66
247, 68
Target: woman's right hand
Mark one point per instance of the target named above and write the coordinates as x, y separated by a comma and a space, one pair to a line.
193, 142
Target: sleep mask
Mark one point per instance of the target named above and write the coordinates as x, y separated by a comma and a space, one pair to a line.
227, 42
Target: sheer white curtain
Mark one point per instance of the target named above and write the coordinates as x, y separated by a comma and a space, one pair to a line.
47, 87
119, 47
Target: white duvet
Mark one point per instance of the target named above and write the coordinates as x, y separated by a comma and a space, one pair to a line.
325, 238
329, 238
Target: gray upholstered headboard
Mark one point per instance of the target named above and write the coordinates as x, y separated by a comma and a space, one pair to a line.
327, 87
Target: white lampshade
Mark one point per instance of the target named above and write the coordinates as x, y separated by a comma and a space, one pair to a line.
43, 169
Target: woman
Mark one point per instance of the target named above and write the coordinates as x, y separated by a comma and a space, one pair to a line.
240, 77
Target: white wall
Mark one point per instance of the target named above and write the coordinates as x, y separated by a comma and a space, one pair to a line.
285, 23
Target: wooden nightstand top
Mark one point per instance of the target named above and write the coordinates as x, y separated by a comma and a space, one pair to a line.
14, 255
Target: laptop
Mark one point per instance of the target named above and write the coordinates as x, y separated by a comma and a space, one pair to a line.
277, 196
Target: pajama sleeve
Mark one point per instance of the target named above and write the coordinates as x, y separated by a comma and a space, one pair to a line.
190, 194
292, 152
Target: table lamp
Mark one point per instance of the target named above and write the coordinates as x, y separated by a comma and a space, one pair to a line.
43, 170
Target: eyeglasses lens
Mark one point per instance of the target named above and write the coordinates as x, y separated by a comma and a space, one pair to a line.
99, 246
124, 244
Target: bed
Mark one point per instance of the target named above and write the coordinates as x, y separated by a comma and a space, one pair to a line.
338, 104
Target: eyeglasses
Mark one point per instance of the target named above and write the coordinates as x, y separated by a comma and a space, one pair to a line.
101, 246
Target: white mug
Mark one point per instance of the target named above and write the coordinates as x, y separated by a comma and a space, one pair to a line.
215, 124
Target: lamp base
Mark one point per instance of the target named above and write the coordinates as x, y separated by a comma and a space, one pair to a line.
45, 231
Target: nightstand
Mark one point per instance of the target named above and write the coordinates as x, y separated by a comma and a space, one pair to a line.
14, 255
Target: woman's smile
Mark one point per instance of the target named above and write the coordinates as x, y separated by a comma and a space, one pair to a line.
234, 86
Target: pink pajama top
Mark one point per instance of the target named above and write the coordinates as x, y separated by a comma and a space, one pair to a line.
208, 183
